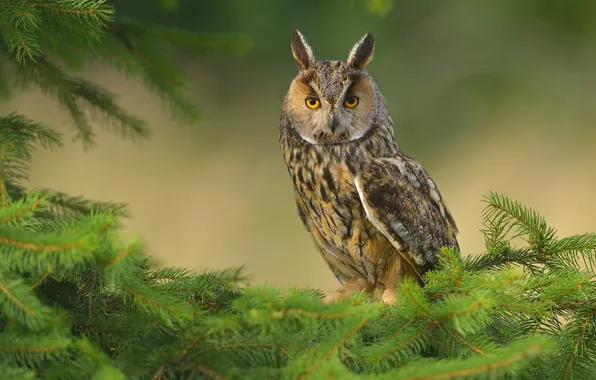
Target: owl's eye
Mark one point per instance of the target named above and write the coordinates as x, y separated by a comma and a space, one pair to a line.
313, 103
351, 101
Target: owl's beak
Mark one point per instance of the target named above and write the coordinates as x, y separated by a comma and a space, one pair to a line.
333, 123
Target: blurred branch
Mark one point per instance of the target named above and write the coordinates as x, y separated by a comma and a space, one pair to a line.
379, 7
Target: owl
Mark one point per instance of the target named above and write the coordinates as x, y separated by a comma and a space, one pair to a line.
374, 213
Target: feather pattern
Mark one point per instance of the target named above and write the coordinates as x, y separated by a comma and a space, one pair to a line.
402, 201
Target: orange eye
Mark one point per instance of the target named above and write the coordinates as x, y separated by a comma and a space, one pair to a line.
351, 101
313, 103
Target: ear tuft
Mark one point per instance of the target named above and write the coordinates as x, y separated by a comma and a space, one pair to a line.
301, 50
362, 52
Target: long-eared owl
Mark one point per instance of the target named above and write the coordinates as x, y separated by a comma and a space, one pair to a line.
374, 212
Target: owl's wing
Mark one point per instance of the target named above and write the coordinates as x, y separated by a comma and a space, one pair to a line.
403, 203
301, 210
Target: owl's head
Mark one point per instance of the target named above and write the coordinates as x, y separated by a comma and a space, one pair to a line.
331, 102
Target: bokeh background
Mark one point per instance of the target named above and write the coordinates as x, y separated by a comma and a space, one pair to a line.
487, 95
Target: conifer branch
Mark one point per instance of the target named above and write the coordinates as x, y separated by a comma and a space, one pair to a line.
67, 206
16, 373
408, 290
163, 307
3, 194
38, 247
251, 346
587, 321
27, 209
578, 250
95, 9
398, 332
140, 55
4, 289
401, 346
25, 22
91, 293
505, 214
71, 91
329, 353
40, 281
499, 362
468, 344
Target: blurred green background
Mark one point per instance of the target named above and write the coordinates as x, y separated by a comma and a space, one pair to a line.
487, 95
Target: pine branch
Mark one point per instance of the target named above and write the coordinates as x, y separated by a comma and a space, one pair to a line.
72, 91
20, 29
575, 344
379, 7
65, 206
29, 251
16, 373
21, 208
502, 215
18, 133
32, 350
137, 49
23, 23
161, 305
502, 362
504, 257
142, 57
188, 41
578, 250
19, 303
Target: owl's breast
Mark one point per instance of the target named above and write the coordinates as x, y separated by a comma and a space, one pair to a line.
325, 185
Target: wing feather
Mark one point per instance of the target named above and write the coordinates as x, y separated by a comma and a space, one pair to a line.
404, 204
301, 211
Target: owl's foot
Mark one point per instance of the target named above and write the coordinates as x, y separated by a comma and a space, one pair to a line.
351, 286
389, 297
386, 295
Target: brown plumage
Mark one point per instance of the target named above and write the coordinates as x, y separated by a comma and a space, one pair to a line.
373, 212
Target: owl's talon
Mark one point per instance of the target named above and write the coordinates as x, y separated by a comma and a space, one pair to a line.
351, 286
389, 297
334, 296
378, 292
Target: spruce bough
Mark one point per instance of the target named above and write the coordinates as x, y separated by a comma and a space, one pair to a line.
77, 301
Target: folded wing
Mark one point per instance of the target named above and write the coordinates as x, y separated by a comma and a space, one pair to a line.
404, 204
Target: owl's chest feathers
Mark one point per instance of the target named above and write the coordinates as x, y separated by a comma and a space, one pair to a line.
326, 186
324, 179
